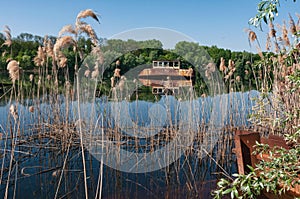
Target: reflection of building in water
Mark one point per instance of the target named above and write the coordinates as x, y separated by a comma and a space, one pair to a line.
166, 77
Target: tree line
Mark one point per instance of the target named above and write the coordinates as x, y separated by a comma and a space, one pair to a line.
239, 70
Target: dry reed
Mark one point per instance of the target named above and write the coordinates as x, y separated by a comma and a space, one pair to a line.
8, 40
67, 29
85, 14
14, 70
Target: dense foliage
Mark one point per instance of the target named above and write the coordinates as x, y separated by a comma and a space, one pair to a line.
132, 53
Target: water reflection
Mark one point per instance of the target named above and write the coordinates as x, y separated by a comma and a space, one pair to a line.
42, 168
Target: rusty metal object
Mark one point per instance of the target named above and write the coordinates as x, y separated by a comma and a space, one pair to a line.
244, 147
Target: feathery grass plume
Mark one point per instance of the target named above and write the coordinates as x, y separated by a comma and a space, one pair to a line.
118, 62
121, 83
40, 58
112, 82
272, 32
285, 36
238, 78
268, 42
8, 60
207, 74
251, 35
87, 73
222, 65
298, 22
67, 29
95, 73
40, 81
13, 111
231, 64
49, 48
61, 60
98, 53
8, 40
49, 77
276, 45
230, 73
259, 52
293, 29
31, 77
226, 77
13, 70
211, 67
45, 40
117, 72
85, 14
31, 109
61, 43
86, 28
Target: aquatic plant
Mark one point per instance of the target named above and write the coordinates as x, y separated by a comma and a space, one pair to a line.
276, 112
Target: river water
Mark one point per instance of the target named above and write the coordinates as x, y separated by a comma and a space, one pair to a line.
42, 168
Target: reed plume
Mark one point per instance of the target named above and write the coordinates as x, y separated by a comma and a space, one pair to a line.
13, 111
49, 77
86, 28
31, 109
13, 70
40, 59
85, 14
298, 23
251, 35
31, 77
293, 29
87, 73
211, 67
222, 65
61, 60
96, 51
61, 43
49, 49
231, 64
8, 40
268, 42
95, 73
285, 35
67, 29
272, 31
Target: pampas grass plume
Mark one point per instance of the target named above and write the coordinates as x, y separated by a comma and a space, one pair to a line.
87, 13
13, 70
31, 77
31, 109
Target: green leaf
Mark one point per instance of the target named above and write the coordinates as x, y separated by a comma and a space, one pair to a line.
227, 191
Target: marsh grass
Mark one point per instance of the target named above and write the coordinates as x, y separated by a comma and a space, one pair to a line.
47, 130
278, 106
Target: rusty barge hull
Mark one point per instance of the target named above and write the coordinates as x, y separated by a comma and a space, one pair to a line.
244, 148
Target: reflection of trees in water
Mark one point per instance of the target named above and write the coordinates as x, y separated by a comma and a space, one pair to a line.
48, 159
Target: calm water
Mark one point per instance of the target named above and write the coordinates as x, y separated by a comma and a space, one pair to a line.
36, 171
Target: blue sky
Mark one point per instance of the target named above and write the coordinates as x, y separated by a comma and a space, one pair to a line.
210, 22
